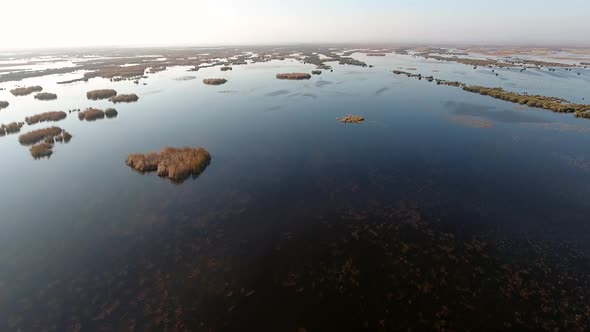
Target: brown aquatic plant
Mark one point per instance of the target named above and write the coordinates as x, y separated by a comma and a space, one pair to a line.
45, 96
47, 116
352, 119
294, 76
38, 135
130, 98
111, 113
3, 104
41, 150
11, 128
101, 94
25, 91
214, 81
91, 114
316, 72
174, 163
226, 68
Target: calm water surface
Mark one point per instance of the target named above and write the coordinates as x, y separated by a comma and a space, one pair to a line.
81, 233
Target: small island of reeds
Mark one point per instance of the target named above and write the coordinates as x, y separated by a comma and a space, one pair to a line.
226, 68
45, 149
101, 94
316, 72
39, 135
11, 128
294, 76
3, 104
45, 117
111, 113
25, 91
375, 54
45, 96
175, 163
214, 81
130, 98
91, 114
352, 119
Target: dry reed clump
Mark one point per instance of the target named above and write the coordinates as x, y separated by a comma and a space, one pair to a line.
111, 113
174, 163
101, 94
352, 119
294, 76
11, 128
41, 150
316, 72
38, 135
130, 98
47, 116
214, 81
3, 104
91, 114
25, 91
46, 96
226, 68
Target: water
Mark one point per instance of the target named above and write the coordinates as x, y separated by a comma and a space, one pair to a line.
87, 243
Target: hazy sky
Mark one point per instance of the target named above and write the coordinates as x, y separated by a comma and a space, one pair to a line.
57, 23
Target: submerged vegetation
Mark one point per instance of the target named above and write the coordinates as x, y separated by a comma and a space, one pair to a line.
101, 94
45, 117
46, 96
174, 163
11, 128
352, 119
130, 98
294, 76
3, 104
25, 91
214, 81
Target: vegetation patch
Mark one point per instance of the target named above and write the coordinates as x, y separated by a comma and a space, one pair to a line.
3, 104
101, 94
91, 114
111, 113
45, 117
46, 96
316, 72
41, 150
375, 54
294, 76
226, 68
25, 91
214, 81
39, 135
130, 98
352, 119
175, 163
11, 128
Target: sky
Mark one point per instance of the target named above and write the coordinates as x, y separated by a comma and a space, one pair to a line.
83, 23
